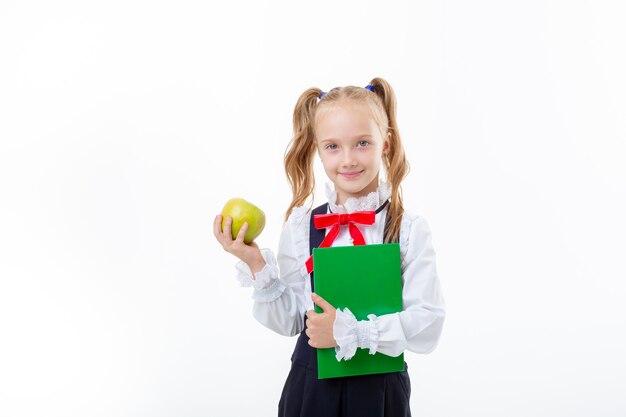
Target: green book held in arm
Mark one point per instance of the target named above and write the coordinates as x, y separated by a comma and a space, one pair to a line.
367, 280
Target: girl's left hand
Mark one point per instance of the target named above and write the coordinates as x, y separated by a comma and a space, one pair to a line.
320, 325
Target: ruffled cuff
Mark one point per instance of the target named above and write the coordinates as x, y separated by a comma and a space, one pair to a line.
345, 334
267, 286
262, 278
351, 334
369, 336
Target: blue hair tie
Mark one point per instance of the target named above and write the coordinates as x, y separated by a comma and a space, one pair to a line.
370, 87
322, 94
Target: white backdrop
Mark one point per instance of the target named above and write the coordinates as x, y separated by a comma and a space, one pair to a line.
126, 125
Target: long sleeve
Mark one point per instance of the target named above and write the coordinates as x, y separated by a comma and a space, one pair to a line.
279, 288
416, 328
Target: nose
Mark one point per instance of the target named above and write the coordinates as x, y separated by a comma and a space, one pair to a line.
349, 157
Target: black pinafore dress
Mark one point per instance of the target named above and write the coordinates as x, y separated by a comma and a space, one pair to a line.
378, 395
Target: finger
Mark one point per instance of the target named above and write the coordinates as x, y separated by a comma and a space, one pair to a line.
242, 232
308, 323
311, 313
222, 237
217, 225
321, 303
227, 232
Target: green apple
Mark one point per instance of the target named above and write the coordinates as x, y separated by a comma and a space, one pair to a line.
242, 211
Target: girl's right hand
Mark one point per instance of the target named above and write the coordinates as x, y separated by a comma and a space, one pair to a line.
250, 253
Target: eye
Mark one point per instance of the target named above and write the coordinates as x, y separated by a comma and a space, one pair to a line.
363, 143
330, 147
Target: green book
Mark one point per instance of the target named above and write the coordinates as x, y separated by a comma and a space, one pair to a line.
366, 279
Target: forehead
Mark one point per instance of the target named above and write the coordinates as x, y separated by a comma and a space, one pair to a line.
344, 119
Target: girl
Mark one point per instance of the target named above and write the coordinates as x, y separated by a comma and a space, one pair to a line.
354, 132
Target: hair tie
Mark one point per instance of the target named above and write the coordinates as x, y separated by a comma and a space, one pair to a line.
370, 87
322, 94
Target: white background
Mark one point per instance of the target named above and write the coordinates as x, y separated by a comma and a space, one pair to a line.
125, 126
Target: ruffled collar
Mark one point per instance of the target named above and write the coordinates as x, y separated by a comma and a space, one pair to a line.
372, 201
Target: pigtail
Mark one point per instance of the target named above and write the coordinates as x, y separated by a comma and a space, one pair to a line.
396, 164
300, 152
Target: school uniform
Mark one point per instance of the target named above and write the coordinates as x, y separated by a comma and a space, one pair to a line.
282, 296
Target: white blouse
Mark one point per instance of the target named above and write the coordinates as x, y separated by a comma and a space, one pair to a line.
282, 289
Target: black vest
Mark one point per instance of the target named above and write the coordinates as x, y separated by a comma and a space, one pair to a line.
304, 354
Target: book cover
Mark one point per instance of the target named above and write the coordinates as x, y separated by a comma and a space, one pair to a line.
366, 279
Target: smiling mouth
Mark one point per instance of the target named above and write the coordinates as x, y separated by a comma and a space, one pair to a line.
350, 174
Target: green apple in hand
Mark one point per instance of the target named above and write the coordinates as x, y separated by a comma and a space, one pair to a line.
242, 211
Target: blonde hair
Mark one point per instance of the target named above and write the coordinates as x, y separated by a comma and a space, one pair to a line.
300, 152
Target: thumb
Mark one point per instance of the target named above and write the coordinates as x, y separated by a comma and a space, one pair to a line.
323, 304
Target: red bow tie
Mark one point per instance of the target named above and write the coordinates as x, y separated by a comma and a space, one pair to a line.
335, 220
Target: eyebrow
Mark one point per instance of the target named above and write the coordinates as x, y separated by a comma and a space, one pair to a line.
357, 137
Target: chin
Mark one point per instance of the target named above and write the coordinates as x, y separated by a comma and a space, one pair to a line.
354, 187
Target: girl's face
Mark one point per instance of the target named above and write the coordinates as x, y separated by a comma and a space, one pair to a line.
351, 146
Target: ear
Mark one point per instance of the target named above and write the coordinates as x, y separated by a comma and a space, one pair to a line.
387, 144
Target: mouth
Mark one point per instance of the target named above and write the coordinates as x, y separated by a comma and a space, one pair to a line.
349, 175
